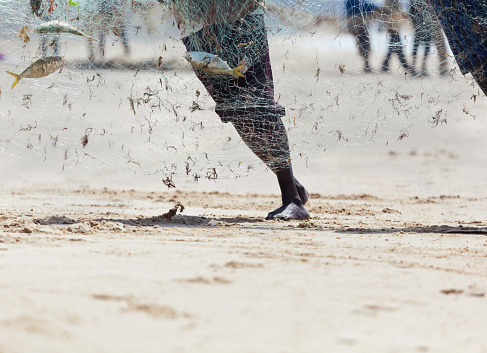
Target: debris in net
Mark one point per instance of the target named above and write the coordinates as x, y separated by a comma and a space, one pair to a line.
403, 96
195, 107
240, 45
402, 136
342, 68
24, 37
115, 31
172, 212
40, 68
437, 118
131, 100
84, 140
169, 183
26, 100
29, 127
211, 174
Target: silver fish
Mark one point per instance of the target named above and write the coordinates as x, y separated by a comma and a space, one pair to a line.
57, 26
40, 68
212, 64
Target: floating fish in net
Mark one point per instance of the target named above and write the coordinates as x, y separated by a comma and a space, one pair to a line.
57, 26
212, 64
40, 68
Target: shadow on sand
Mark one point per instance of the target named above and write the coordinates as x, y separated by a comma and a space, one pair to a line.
161, 220
437, 229
242, 221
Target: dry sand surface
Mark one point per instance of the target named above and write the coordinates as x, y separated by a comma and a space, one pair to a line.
393, 258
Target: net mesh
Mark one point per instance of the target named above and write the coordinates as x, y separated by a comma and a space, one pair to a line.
285, 79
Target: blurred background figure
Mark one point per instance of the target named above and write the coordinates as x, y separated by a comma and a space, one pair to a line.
49, 40
440, 43
393, 13
427, 29
359, 14
421, 18
46, 11
109, 15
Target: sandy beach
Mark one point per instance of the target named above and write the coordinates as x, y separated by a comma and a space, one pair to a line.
393, 258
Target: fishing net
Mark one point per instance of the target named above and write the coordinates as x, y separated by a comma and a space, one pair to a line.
313, 75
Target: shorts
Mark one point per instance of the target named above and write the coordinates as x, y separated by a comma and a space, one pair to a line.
240, 43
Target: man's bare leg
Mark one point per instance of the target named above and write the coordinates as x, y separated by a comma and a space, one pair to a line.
268, 141
260, 128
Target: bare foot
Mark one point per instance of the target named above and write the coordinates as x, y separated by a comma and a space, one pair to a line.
288, 212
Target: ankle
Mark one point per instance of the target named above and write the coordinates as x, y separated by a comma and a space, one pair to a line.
295, 199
